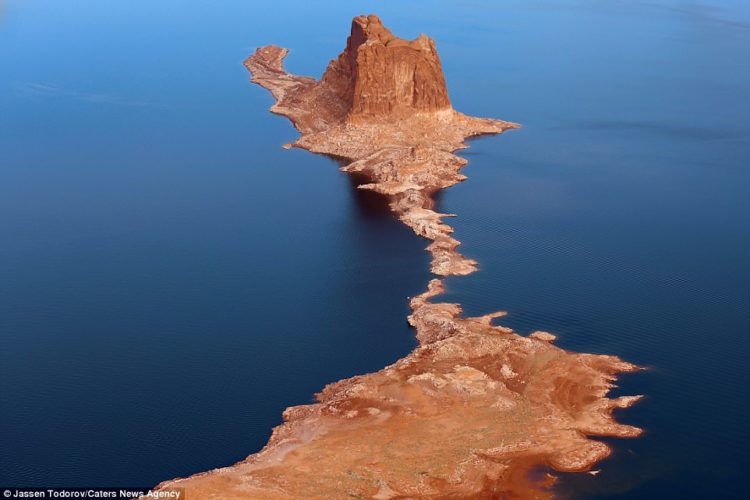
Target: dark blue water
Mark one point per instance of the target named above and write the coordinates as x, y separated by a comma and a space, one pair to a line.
171, 279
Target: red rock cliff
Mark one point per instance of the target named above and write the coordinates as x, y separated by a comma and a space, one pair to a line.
381, 75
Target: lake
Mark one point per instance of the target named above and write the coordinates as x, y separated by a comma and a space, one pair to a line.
171, 278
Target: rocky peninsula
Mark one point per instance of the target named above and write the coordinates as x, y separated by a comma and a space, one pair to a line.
475, 407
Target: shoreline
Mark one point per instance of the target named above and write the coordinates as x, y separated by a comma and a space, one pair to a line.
498, 403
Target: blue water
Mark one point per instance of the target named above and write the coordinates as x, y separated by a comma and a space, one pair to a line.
171, 279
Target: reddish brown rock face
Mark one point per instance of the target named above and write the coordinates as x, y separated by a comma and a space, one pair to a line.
382, 76
475, 406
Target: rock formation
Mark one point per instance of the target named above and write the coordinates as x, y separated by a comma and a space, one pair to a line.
384, 106
475, 406
380, 76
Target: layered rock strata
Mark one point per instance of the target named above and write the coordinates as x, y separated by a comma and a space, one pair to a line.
475, 406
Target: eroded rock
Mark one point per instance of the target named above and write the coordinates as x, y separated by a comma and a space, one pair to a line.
475, 406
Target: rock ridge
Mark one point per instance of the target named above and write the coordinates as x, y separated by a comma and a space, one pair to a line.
475, 406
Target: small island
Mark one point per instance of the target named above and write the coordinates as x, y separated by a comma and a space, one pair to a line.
475, 407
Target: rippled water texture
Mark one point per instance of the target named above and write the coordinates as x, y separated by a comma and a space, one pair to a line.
171, 279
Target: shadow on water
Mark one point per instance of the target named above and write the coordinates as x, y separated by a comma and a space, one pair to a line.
369, 203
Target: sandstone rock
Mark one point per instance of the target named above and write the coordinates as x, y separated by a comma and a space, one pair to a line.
381, 76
